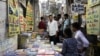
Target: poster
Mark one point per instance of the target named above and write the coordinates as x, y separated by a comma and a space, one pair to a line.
13, 28
29, 17
96, 19
93, 20
89, 20
93, 2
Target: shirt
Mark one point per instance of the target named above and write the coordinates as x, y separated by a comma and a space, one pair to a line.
52, 28
42, 25
70, 47
81, 39
60, 21
66, 23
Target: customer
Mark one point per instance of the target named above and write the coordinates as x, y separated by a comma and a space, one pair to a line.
69, 44
42, 26
60, 20
57, 19
60, 24
66, 23
52, 29
83, 43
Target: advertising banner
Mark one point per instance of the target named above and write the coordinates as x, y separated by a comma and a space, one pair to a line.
89, 20
13, 19
93, 20
96, 19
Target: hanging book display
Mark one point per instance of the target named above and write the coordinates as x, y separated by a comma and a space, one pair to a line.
29, 17
22, 15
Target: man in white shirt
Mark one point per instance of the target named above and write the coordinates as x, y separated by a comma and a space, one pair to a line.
83, 43
52, 29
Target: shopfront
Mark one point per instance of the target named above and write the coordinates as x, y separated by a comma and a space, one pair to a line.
16, 17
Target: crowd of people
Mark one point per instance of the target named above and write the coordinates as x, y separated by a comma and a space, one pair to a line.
61, 29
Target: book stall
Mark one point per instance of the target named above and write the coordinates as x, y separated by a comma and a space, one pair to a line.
39, 47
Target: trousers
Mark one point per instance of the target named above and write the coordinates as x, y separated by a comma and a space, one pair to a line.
53, 39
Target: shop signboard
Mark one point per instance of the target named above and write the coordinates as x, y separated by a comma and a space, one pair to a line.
93, 2
13, 20
77, 8
93, 20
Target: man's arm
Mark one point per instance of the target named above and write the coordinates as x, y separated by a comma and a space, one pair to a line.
47, 27
84, 41
56, 27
